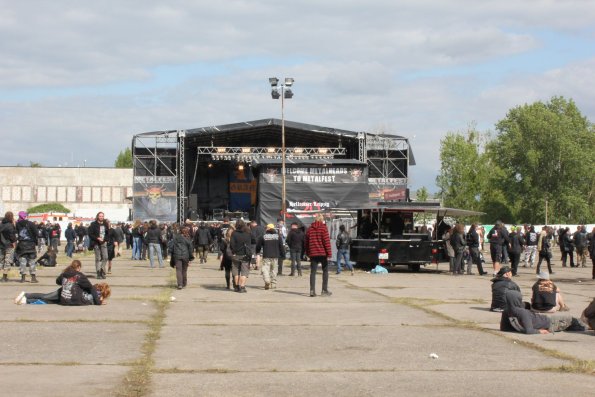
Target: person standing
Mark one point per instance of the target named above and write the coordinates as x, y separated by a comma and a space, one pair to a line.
457, 241
531, 238
256, 231
295, 242
496, 239
153, 239
318, 249
55, 232
271, 245
226, 255
181, 253
70, 236
119, 238
516, 243
282, 230
240, 248
473, 244
567, 247
580, 243
343, 242
449, 250
202, 241
8, 242
26, 252
544, 249
591, 240
98, 233
137, 239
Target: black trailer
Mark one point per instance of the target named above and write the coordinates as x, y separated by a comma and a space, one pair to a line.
386, 235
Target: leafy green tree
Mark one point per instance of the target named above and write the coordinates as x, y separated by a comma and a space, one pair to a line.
546, 151
124, 159
464, 169
422, 195
34, 164
49, 207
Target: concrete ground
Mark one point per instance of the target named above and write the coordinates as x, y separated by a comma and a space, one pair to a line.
372, 337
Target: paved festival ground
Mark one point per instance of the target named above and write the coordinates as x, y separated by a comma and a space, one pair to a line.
372, 337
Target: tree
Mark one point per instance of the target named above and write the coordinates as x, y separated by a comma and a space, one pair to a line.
422, 195
34, 164
124, 159
463, 171
546, 151
49, 207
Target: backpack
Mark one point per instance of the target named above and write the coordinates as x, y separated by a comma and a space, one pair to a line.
4, 240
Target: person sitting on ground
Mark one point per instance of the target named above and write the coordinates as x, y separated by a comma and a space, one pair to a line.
103, 290
77, 290
500, 284
518, 319
546, 298
48, 259
588, 315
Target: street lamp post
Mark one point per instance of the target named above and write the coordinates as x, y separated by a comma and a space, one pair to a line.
282, 91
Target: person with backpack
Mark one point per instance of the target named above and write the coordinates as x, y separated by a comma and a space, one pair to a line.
271, 245
343, 242
26, 247
240, 244
8, 242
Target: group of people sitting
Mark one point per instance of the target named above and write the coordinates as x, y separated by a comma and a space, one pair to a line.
543, 314
75, 290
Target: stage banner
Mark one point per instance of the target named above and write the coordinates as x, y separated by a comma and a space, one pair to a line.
312, 188
242, 190
154, 197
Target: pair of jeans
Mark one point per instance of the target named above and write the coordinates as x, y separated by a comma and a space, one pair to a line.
136, 247
295, 256
343, 253
51, 297
182, 272
69, 248
155, 248
314, 261
100, 257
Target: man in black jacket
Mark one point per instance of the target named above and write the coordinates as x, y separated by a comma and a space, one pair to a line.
271, 245
473, 243
500, 285
295, 242
202, 241
26, 252
98, 231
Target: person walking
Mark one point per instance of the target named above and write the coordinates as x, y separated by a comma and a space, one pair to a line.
153, 239
226, 255
240, 248
8, 243
271, 245
318, 249
343, 242
26, 252
295, 242
531, 238
181, 253
98, 233
580, 244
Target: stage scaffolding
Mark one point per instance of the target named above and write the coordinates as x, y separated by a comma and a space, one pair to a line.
159, 157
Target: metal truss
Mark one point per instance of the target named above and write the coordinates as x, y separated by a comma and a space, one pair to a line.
247, 154
181, 179
382, 155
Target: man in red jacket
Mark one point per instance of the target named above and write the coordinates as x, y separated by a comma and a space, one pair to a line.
318, 249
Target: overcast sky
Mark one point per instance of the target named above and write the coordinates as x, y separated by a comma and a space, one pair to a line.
78, 79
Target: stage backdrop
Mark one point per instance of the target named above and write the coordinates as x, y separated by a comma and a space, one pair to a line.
154, 198
311, 185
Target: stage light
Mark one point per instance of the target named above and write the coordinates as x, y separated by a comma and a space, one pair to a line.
322, 150
275, 94
220, 150
246, 150
210, 165
274, 81
288, 81
287, 93
298, 150
271, 150
241, 167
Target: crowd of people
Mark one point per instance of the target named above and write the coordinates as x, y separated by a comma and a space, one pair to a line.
522, 244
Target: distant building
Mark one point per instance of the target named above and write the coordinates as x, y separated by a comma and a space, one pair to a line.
84, 191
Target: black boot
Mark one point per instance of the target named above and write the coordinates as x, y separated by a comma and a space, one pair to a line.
23, 277
34, 279
5, 278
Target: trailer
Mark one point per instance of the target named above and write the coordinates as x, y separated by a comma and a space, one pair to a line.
386, 235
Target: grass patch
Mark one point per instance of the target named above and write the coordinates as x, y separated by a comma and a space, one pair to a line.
138, 379
577, 367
